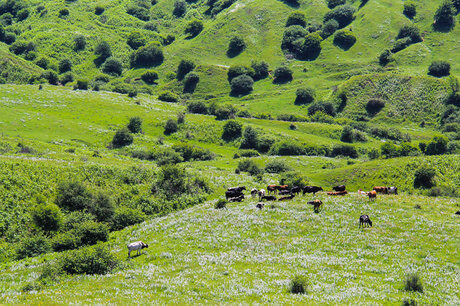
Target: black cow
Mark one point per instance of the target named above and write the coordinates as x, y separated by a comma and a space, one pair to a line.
363, 220
269, 198
284, 192
232, 194
295, 190
239, 189
289, 197
260, 205
458, 212
311, 189
339, 188
237, 199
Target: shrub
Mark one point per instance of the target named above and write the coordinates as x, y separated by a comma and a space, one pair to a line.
139, 12
125, 216
65, 65
344, 150
410, 31
81, 85
401, 44
98, 10
374, 106
282, 75
170, 127
94, 260
389, 150
72, 196
296, 18
166, 156
168, 96
389, 133
246, 153
424, 177
136, 40
22, 14
6, 19
410, 10
197, 107
276, 166
21, 47
47, 217
9, 38
344, 39
248, 165
324, 107
225, 111
373, 153
264, 143
291, 35
232, 130
65, 241
190, 81
32, 246
343, 14
169, 39
250, 138
293, 179
444, 18
194, 28
112, 66
220, 204
101, 207
329, 28
287, 147
51, 76
91, 232
180, 7
122, 138
304, 96
149, 77
235, 46
413, 283
260, 70
66, 78
333, 3
184, 67
103, 51
439, 69
241, 85
298, 285
385, 57
437, 146
235, 71
147, 56
172, 181
135, 125
63, 13
190, 152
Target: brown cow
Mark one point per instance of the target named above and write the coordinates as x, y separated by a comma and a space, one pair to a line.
337, 193
271, 188
339, 188
317, 204
289, 197
269, 198
372, 195
381, 189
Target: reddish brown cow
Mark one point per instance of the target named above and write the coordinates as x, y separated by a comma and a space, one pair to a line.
271, 189
372, 195
381, 189
337, 193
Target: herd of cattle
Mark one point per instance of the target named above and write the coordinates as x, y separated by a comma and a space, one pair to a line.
285, 193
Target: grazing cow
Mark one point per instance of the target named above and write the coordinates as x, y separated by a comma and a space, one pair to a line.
393, 190
269, 198
311, 189
380, 189
339, 188
295, 190
289, 197
239, 198
254, 192
284, 192
337, 193
317, 204
458, 212
271, 189
361, 192
372, 194
237, 189
260, 205
261, 194
363, 220
232, 194
282, 187
136, 246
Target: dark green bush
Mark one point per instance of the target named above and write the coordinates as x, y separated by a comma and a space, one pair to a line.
73, 196
282, 75
343, 14
329, 28
197, 107
410, 9
166, 156
385, 57
424, 177
194, 28
413, 283
235, 46
32, 246
344, 150
101, 207
72, 219
125, 216
65, 65
103, 51
260, 70
287, 147
388, 133
437, 146
135, 125
246, 153
191, 153
250, 138
241, 85
172, 181
293, 179
389, 150
21, 47
444, 18
439, 69
168, 96
147, 56
66, 78
325, 107
225, 111
22, 14
291, 35
298, 285
264, 143
191, 80
98, 10
112, 66
344, 39
374, 106
232, 130
184, 67
248, 165
149, 77
51, 76
42, 62
333, 3
63, 13
296, 18
47, 217
136, 40
235, 71
304, 96
170, 127
352, 135
220, 204
309, 48
65, 241
94, 260
139, 12
91, 232
81, 85
180, 7
410, 31
276, 166
9, 38
122, 138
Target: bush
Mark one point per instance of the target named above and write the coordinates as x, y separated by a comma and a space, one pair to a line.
293, 179
286, 147
296, 18
98, 10
149, 77
333, 3
191, 153
298, 285
220, 204
235, 46
246, 153
51, 76
264, 143
437, 146
168, 96
169, 39
343, 14
424, 177
135, 125
282, 75
241, 85
112, 66
304, 96
373, 153
103, 51
9, 38
180, 7
389, 133
248, 165
32, 246
94, 260
139, 12
102, 207
344, 39
385, 57
63, 13
184, 67
197, 107
166, 156
444, 18
374, 106
122, 138
413, 283
310, 48
91, 232
194, 28
401, 44
344, 150
410, 31
410, 10
66, 78
224, 112
170, 127
65, 65
6, 19
136, 40
235, 71
291, 35
276, 166
172, 181
439, 69
81, 85
125, 216
47, 217
65, 241
191, 80
329, 28
147, 56
260, 70
21, 47
73, 196
232, 130
250, 138
389, 150
324, 107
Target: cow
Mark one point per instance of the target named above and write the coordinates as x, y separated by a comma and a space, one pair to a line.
337, 193
339, 188
393, 190
232, 194
254, 192
282, 187
271, 189
239, 198
260, 206
458, 212
363, 220
317, 204
237, 189
295, 190
289, 197
136, 246
284, 192
381, 189
261, 194
372, 195
269, 198
311, 189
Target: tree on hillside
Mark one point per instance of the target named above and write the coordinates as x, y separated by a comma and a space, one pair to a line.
235, 46
147, 56
194, 28
184, 67
260, 70
296, 18
444, 18
136, 40
103, 51
180, 7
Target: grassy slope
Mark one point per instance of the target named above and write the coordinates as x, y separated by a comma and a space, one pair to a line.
244, 255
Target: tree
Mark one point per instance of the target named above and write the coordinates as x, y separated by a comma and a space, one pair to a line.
343, 14
410, 9
190, 82
385, 57
304, 96
147, 56
296, 18
410, 31
242, 85
310, 48
235, 46
112, 66
122, 138
329, 28
47, 217
282, 75
232, 130
424, 177
238, 70
136, 40
170, 127
180, 7
135, 125
291, 35
184, 67
260, 70
344, 39
149, 77
194, 28
79, 42
103, 51
444, 18
439, 69
250, 138
73, 196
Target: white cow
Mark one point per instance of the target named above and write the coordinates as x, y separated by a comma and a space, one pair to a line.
136, 246
261, 193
